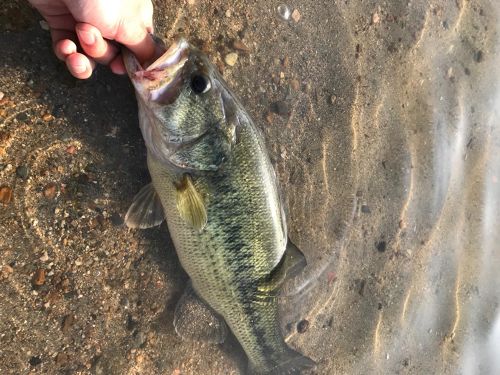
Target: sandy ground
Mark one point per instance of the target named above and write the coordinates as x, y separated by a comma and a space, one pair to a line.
382, 121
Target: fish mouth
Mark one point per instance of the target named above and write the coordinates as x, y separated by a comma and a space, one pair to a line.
159, 80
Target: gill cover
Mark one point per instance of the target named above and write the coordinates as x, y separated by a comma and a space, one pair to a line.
188, 117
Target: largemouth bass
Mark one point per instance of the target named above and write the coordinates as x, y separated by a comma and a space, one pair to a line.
213, 182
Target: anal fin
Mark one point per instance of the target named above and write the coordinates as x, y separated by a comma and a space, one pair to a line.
146, 210
194, 320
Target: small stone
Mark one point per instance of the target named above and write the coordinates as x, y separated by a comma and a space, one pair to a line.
35, 361
296, 15
44, 257
295, 84
39, 277
228, 13
231, 58
7, 271
303, 326
44, 25
47, 117
116, 219
71, 149
5, 137
5, 195
140, 339
67, 323
365, 209
62, 358
333, 99
478, 56
240, 46
381, 246
280, 108
22, 172
50, 190
23, 117
285, 62
283, 12
191, 2
1, 95
375, 18
269, 118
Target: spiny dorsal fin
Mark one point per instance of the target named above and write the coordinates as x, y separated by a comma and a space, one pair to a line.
190, 203
146, 210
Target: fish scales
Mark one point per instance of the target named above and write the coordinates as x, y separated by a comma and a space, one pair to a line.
236, 244
202, 146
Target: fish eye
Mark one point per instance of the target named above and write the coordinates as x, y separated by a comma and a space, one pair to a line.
200, 84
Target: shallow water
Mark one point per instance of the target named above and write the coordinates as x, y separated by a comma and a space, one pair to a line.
388, 160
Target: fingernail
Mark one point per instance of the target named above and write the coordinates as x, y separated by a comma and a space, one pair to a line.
79, 68
86, 37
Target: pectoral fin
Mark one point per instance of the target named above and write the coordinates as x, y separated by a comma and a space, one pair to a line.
194, 320
292, 263
190, 203
146, 210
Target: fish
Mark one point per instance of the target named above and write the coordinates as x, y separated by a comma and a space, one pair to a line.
213, 182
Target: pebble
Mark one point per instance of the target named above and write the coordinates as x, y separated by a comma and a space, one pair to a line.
240, 46
7, 271
1, 95
269, 118
35, 361
22, 172
39, 277
44, 257
231, 58
295, 84
375, 18
296, 15
478, 56
71, 149
50, 190
47, 117
280, 108
284, 12
116, 219
67, 323
5, 195
140, 339
381, 246
303, 326
23, 117
62, 358
191, 2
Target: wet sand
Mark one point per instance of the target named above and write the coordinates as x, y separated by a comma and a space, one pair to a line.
382, 120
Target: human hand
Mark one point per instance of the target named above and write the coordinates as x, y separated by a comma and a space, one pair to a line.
95, 24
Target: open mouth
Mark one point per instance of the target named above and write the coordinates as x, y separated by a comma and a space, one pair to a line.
159, 80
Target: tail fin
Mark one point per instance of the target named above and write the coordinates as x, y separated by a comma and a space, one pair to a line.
290, 363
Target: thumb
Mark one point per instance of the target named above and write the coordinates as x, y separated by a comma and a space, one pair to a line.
134, 31
137, 39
